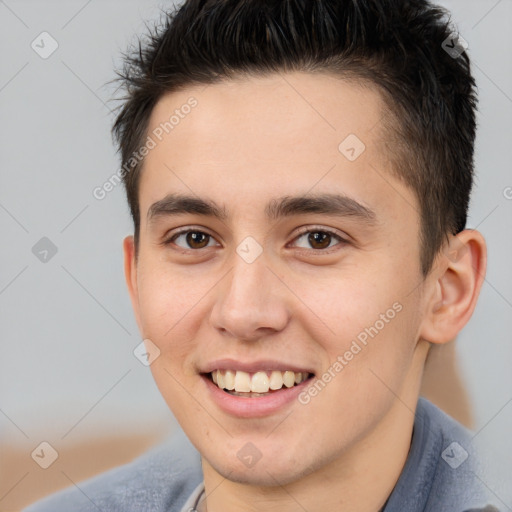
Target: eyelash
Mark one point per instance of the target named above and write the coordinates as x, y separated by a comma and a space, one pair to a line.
341, 240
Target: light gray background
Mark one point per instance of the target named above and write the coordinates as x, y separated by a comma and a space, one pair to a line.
68, 331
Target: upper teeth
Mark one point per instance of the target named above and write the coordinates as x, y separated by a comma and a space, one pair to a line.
259, 382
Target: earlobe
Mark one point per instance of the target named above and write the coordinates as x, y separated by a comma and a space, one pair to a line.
461, 270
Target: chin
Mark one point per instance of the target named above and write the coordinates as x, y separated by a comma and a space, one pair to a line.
267, 472
263, 477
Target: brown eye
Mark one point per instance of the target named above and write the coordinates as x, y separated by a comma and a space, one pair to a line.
319, 239
197, 240
193, 239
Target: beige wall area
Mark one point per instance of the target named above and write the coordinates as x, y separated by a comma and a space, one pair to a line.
76, 462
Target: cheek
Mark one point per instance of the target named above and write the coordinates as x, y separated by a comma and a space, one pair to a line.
168, 305
367, 359
364, 319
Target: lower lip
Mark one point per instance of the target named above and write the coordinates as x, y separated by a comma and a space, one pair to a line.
255, 407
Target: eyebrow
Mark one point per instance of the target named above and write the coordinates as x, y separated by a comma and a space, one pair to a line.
337, 205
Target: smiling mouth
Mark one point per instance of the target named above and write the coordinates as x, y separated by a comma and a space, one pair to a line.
252, 385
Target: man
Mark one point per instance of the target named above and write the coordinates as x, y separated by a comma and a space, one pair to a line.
298, 173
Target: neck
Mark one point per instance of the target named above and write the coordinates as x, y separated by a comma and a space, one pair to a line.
361, 479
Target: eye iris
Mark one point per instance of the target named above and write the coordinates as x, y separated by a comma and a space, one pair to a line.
319, 237
194, 239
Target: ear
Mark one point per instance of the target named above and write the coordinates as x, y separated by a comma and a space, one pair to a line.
130, 274
456, 282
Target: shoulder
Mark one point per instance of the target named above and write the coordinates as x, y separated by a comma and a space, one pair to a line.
160, 480
447, 427
458, 479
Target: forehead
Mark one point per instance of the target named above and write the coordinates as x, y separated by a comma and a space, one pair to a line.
274, 109
243, 139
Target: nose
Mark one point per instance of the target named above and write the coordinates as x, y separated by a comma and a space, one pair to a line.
251, 301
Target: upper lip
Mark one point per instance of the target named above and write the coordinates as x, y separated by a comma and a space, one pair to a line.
253, 366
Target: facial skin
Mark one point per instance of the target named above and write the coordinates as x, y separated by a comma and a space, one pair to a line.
246, 143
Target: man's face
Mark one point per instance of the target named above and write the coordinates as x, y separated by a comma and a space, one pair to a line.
316, 290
